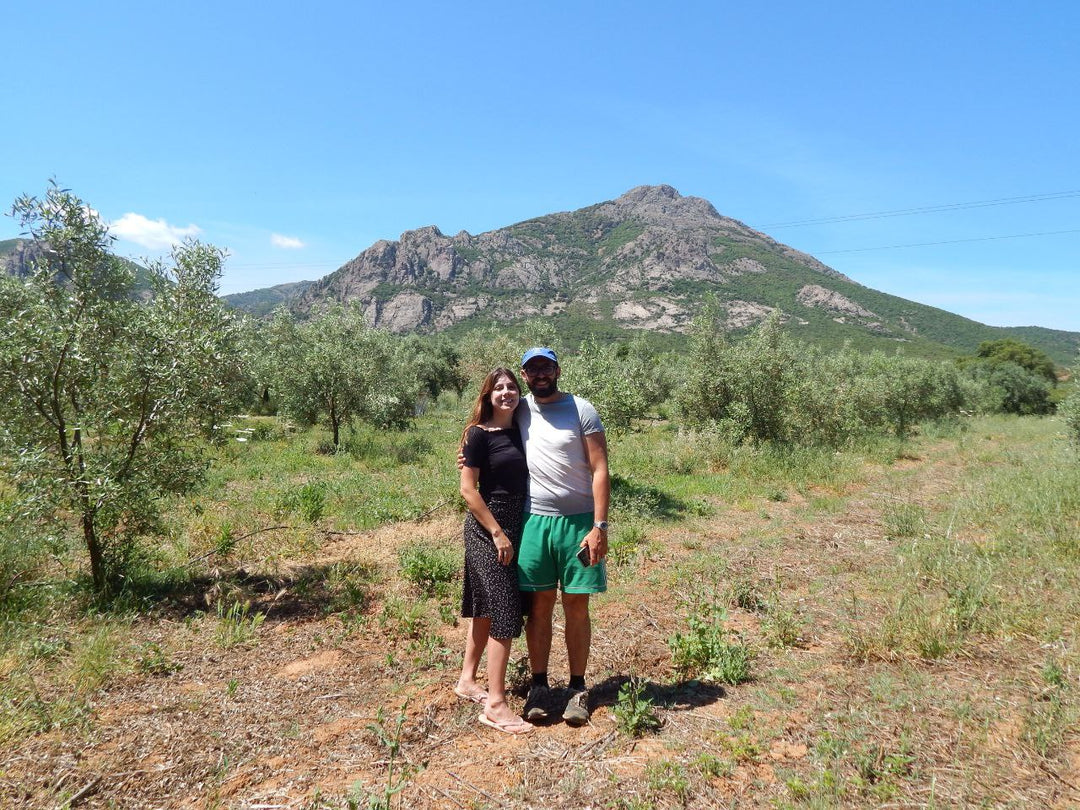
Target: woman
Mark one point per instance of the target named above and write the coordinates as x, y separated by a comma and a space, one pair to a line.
494, 459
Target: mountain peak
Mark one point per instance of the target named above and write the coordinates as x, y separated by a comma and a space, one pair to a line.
664, 203
647, 194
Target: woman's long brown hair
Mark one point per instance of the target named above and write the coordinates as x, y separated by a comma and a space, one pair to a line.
482, 408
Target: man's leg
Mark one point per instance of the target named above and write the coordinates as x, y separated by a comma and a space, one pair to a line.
538, 629
578, 631
578, 638
538, 639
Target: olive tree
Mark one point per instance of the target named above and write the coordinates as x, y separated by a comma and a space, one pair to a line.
1069, 410
770, 387
104, 395
483, 349
335, 366
623, 380
746, 386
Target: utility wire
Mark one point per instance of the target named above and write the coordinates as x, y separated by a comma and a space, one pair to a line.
946, 242
900, 212
927, 209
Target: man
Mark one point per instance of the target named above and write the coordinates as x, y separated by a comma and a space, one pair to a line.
566, 516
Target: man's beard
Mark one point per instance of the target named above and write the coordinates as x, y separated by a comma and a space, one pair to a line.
543, 389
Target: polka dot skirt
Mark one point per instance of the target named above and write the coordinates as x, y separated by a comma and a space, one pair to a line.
491, 590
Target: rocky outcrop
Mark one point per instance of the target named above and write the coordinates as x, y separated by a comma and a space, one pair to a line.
21, 258
843, 309
655, 314
744, 314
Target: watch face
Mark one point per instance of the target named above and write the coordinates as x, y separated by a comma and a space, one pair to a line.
601, 525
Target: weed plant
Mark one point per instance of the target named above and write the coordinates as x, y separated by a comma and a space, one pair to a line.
634, 713
668, 777
236, 625
783, 626
351, 587
706, 648
403, 618
904, 520
307, 501
153, 660
626, 543
388, 736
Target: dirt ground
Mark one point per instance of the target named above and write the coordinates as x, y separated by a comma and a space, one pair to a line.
305, 715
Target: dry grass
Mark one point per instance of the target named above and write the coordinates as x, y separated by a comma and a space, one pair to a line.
877, 680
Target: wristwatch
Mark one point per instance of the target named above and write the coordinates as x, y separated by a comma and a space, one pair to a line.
601, 525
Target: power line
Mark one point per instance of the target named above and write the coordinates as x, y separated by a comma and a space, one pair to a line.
946, 242
927, 209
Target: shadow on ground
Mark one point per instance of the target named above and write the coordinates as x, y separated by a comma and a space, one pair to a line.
683, 695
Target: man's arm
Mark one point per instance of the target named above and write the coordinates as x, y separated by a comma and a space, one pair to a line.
596, 450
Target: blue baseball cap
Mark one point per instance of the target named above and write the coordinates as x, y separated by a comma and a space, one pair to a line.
539, 351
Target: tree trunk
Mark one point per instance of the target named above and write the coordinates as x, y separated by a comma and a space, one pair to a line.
97, 557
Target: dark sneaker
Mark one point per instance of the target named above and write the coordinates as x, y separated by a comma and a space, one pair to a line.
577, 708
536, 704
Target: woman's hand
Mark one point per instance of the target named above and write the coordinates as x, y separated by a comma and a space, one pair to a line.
504, 549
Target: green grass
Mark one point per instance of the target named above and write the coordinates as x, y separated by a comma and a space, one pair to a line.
995, 558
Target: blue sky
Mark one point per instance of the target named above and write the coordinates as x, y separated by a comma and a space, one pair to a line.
295, 136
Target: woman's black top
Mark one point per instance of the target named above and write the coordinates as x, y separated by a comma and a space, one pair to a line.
500, 457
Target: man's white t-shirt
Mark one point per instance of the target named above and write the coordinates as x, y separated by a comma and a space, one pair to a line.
560, 479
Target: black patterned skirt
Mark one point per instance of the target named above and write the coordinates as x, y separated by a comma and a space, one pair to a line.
491, 590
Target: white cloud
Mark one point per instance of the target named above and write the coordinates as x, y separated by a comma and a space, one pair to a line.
287, 242
155, 234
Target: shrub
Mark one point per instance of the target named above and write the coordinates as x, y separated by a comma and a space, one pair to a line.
1018, 353
1070, 415
430, 568
1006, 387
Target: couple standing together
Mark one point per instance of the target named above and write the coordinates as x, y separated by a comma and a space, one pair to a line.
538, 522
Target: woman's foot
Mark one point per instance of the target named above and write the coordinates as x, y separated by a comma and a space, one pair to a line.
499, 711
472, 692
515, 725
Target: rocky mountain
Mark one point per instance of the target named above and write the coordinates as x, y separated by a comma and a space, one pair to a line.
639, 264
18, 256
642, 260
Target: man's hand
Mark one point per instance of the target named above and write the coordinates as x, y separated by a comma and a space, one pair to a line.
596, 540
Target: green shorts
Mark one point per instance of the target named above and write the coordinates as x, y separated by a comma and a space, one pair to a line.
548, 555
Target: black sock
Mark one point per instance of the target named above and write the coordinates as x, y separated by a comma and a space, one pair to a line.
577, 682
540, 679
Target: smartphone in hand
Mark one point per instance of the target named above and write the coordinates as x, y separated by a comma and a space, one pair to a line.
583, 555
